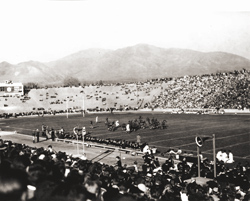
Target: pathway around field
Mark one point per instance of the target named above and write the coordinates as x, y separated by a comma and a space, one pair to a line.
69, 148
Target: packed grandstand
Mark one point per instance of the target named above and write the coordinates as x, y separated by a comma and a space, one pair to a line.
204, 92
52, 175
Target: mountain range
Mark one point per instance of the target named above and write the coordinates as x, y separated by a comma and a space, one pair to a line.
139, 62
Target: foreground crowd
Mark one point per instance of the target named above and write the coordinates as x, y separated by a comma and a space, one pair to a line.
28, 173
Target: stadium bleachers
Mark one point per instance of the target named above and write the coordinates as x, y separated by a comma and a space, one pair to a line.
64, 177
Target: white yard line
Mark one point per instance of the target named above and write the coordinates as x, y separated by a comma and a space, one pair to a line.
232, 145
215, 139
246, 156
190, 136
19, 128
173, 133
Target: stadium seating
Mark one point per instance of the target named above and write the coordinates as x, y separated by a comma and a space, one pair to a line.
46, 174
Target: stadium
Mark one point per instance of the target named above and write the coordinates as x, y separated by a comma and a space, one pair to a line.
113, 116
124, 101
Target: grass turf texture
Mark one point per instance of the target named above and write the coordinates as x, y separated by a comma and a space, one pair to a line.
232, 131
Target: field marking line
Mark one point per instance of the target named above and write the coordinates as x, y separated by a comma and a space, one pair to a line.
19, 128
232, 145
246, 156
174, 139
188, 130
181, 137
168, 134
215, 138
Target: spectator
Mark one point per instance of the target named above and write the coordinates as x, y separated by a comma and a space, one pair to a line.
64, 177
13, 185
230, 157
118, 162
52, 134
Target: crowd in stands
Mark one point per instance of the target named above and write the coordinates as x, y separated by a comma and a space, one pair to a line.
229, 90
44, 174
42, 112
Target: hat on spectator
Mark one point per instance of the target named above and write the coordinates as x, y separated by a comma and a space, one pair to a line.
41, 157
142, 187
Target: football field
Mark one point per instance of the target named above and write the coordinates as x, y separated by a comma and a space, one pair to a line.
232, 132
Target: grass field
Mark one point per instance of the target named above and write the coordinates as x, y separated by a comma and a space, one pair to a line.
232, 131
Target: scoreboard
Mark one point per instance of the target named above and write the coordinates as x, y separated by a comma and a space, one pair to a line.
10, 88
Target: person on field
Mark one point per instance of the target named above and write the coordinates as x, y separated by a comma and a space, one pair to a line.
91, 124
52, 134
96, 119
37, 135
128, 128
117, 124
47, 133
43, 129
138, 139
61, 132
34, 136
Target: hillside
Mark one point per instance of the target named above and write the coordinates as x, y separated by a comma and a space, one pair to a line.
139, 62
30, 71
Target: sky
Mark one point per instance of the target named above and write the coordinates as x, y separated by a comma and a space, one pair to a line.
47, 30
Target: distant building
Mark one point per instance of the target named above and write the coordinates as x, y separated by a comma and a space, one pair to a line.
10, 88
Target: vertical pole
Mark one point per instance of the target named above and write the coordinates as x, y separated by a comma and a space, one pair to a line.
83, 145
83, 142
198, 158
67, 108
83, 106
77, 143
214, 156
136, 94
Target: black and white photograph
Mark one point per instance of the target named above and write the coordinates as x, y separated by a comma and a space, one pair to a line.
124, 100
